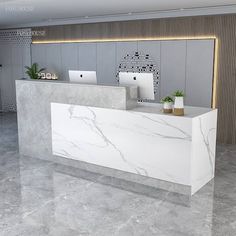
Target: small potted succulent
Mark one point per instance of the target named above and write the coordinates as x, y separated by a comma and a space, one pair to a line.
179, 103
167, 104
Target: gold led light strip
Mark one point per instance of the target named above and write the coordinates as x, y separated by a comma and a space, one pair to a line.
119, 39
215, 78
216, 56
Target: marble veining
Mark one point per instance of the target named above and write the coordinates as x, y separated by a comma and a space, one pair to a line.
91, 123
211, 153
98, 126
152, 145
186, 136
139, 170
203, 157
41, 198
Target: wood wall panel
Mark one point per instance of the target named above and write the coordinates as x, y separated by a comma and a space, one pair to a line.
222, 26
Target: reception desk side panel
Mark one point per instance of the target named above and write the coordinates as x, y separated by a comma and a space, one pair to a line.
145, 144
203, 150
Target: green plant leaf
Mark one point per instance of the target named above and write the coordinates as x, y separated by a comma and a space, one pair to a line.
33, 71
27, 67
41, 70
167, 99
178, 93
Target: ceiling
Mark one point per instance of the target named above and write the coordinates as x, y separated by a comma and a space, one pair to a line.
28, 12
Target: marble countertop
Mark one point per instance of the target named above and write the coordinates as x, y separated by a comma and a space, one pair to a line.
156, 108
77, 84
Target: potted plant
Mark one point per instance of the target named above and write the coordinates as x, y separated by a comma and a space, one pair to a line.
33, 71
179, 103
167, 104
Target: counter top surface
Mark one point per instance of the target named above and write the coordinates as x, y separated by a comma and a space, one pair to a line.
156, 108
74, 83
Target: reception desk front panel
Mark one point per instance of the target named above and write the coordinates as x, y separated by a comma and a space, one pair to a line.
180, 150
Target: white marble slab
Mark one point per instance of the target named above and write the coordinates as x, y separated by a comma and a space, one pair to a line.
143, 141
203, 149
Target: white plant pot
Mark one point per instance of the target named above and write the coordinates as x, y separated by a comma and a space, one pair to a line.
167, 107
179, 106
179, 102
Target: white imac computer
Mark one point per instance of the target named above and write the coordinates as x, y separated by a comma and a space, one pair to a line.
144, 82
83, 77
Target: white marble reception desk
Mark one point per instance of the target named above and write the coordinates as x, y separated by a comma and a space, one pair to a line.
141, 141
140, 144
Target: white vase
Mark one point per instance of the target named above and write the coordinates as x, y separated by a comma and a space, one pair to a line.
167, 107
179, 106
179, 102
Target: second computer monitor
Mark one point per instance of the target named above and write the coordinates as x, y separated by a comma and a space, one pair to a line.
83, 77
144, 81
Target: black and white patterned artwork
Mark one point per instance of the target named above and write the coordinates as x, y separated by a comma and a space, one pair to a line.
139, 62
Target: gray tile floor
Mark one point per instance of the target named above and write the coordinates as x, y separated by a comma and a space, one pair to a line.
39, 198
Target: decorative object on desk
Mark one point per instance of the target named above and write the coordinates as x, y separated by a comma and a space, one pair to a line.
48, 76
33, 71
167, 104
179, 103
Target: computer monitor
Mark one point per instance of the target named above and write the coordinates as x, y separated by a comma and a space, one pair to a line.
83, 77
144, 81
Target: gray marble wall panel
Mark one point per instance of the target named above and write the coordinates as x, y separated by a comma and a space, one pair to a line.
106, 63
38, 55
87, 56
153, 48
173, 66
199, 64
54, 59
69, 57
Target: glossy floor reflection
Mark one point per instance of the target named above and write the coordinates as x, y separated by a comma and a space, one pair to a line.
41, 198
